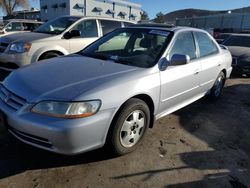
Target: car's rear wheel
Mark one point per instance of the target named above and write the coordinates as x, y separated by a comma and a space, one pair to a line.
49, 55
129, 127
216, 90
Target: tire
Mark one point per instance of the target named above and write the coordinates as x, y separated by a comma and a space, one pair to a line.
216, 90
129, 127
49, 55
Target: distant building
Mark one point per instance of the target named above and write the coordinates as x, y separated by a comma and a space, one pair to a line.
32, 14
230, 22
105, 8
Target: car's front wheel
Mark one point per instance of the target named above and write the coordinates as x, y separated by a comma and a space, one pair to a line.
216, 90
130, 126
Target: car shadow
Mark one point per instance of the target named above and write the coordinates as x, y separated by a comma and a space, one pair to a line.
17, 157
223, 125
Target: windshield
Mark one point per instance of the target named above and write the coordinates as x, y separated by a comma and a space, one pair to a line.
130, 46
243, 41
5, 22
57, 26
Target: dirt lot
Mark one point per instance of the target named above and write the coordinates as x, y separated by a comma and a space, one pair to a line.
203, 145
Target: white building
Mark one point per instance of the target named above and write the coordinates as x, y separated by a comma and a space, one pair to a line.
105, 8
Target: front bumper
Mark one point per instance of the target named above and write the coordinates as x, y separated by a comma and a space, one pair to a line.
64, 136
9, 61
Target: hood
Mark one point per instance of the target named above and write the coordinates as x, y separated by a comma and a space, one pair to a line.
24, 37
63, 78
238, 51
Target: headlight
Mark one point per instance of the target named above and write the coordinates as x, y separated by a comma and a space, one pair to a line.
20, 47
68, 110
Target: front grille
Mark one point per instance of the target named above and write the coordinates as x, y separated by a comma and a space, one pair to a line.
3, 46
30, 138
9, 65
12, 100
234, 62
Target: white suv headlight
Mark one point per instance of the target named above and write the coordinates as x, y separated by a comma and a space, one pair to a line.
20, 47
69, 110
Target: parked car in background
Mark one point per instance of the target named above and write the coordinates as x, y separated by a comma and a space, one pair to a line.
112, 94
61, 36
18, 25
220, 38
239, 46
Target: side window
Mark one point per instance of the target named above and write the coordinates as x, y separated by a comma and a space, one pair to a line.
206, 45
14, 26
184, 45
108, 26
28, 26
126, 24
87, 28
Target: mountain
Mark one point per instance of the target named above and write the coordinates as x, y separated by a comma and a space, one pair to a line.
187, 13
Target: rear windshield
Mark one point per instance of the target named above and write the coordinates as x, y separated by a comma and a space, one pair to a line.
243, 41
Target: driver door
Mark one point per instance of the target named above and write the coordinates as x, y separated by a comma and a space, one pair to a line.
180, 83
89, 33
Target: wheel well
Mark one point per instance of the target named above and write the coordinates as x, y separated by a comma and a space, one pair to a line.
148, 100
53, 51
225, 72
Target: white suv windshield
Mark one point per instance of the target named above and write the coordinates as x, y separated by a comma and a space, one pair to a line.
131, 46
57, 26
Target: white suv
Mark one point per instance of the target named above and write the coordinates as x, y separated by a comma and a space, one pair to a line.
60, 36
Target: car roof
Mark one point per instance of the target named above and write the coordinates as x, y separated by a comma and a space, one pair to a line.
240, 34
23, 20
166, 27
101, 18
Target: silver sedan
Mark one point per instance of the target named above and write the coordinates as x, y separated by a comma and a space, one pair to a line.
112, 91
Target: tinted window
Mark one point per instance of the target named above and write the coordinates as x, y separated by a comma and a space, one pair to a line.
87, 28
108, 26
14, 26
206, 45
184, 45
126, 24
29, 26
243, 41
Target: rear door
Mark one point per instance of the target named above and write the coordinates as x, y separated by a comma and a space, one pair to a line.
180, 83
89, 34
210, 59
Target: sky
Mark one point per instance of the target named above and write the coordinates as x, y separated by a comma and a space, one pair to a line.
152, 7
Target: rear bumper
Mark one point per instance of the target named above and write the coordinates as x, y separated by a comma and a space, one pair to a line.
244, 69
229, 71
62, 136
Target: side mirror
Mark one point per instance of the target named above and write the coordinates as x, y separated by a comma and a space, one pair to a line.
163, 64
72, 34
179, 59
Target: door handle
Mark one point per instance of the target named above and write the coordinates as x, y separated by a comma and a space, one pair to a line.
219, 64
197, 71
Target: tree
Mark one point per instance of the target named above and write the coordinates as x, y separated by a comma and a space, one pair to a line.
160, 18
144, 15
8, 6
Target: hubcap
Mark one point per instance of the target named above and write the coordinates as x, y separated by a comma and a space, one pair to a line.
132, 128
218, 86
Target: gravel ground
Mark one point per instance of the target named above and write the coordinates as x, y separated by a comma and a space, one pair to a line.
203, 145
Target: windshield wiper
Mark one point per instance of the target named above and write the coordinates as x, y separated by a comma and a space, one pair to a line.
96, 56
